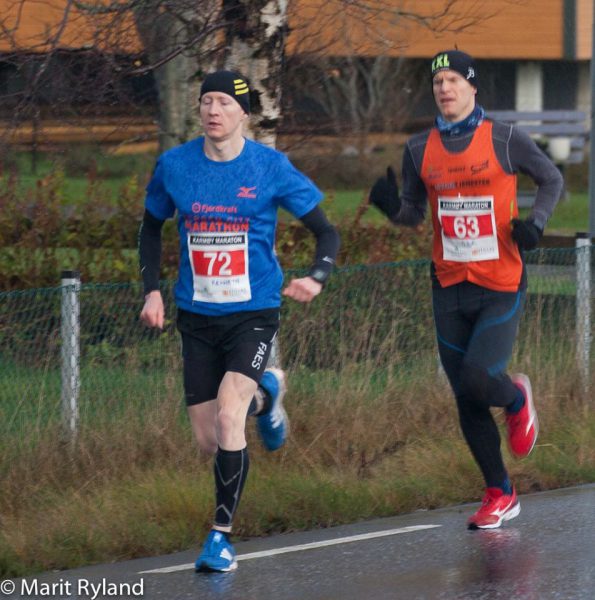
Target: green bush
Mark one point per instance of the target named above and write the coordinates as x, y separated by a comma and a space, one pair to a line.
42, 234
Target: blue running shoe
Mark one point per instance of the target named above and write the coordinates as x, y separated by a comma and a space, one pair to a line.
217, 554
274, 424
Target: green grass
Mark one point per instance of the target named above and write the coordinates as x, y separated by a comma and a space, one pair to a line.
343, 205
112, 172
372, 437
361, 446
80, 166
75, 188
570, 216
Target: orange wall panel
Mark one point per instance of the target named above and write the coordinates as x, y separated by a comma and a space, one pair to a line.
504, 29
488, 29
584, 28
29, 24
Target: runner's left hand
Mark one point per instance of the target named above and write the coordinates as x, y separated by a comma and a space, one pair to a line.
525, 233
304, 289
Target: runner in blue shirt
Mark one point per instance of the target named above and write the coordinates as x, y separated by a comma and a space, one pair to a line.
226, 190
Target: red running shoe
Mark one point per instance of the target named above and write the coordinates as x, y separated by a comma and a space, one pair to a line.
522, 426
496, 507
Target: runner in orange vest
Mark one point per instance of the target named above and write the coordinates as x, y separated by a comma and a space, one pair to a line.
465, 167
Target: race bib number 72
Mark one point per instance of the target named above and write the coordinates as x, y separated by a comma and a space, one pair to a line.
219, 264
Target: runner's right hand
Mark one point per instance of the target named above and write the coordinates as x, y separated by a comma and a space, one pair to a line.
153, 313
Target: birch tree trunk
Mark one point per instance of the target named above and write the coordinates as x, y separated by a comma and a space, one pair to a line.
255, 40
171, 42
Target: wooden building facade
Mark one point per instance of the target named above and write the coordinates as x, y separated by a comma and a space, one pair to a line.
532, 54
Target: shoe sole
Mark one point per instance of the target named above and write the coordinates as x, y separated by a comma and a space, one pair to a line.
511, 514
203, 568
280, 376
522, 380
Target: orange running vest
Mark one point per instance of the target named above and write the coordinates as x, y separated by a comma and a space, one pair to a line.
472, 200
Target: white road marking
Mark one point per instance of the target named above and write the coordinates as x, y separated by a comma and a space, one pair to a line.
300, 547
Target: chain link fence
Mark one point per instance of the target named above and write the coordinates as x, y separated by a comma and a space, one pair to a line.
77, 355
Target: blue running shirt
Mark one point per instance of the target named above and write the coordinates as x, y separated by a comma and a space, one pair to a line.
227, 217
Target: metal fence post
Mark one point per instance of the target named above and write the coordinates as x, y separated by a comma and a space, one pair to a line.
583, 306
70, 333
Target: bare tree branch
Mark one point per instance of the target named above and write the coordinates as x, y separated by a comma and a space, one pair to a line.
177, 41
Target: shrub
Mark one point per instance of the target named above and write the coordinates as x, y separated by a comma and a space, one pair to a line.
43, 235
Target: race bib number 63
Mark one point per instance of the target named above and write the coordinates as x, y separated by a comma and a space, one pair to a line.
468, 228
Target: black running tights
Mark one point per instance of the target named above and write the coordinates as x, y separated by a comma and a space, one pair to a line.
476, 329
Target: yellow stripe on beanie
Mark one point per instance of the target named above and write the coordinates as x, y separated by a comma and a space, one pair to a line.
240, 87
232, 83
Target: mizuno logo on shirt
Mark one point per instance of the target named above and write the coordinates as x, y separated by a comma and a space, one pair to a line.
246, 192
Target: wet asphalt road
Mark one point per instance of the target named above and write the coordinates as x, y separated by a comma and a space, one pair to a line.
548, 552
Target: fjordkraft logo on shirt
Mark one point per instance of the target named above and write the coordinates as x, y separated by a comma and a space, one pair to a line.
246, 192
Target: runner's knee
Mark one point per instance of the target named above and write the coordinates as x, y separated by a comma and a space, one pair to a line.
475, 383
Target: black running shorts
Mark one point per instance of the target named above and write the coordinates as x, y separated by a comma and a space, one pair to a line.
211, 346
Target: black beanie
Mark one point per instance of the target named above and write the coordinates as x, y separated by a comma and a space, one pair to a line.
458, 61
231, 83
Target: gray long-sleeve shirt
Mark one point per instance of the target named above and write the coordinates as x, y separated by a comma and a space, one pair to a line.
516, 152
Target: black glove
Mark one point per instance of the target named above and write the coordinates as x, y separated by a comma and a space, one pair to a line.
525, 233
385, 194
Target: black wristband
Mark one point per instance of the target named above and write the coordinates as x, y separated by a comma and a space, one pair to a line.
320, 271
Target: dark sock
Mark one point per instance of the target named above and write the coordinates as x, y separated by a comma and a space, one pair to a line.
505, 486
253, 408
231, 469
266, 404
516, 405
266, 401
